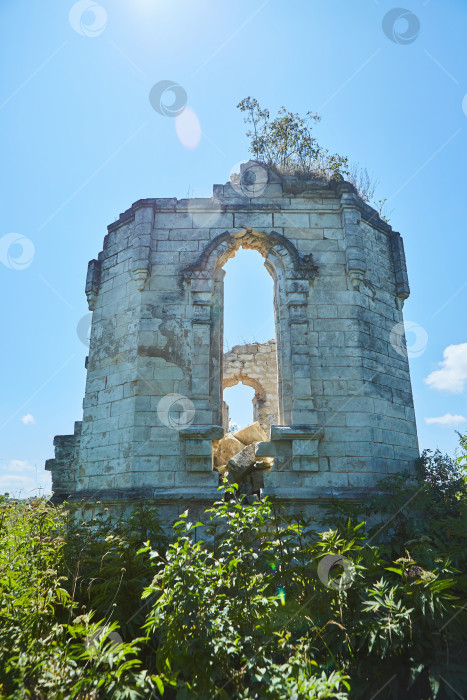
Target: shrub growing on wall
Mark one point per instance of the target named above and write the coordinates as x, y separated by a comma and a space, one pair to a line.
287, 142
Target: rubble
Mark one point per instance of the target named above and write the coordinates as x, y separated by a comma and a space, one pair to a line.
235, 458
241, 465
226, 448
251, 433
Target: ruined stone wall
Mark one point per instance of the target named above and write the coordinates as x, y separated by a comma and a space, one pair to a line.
153, 402
255, 365
64, 465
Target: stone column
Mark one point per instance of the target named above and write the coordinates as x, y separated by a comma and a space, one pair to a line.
141, 245
297, 302
93, 279
355, 254
400, 267
217, 354
205, 323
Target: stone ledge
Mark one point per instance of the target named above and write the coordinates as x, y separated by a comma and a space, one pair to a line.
202, 432
151, 496
146, 493
296, 432
317, 496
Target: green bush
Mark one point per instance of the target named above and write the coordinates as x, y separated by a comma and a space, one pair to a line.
288, 143
50, 647
245, 605
244, 613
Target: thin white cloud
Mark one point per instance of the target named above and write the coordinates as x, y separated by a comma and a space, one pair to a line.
447, 419
452, 375
18, 479
28, 419
20, 465
13, 484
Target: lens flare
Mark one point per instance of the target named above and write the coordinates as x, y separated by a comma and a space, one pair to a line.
188, 128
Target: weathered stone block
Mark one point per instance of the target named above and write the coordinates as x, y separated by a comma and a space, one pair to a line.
198, 447
227, 448
291, 219
241, 464
253, 219
251, 433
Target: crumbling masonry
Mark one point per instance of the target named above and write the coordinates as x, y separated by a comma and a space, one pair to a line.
255, 365
343, 409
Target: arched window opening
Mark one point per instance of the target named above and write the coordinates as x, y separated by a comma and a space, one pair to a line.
249, 380
239, 399
248, 300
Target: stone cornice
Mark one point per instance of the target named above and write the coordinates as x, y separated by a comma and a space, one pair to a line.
170, 204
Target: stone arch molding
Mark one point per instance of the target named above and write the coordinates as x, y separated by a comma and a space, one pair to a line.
279, 254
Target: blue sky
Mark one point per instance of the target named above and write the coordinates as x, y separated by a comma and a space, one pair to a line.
80, 142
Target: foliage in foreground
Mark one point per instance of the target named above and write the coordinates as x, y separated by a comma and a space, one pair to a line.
244, 606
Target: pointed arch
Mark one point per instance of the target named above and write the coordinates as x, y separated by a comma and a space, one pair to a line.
292, 274
279, 254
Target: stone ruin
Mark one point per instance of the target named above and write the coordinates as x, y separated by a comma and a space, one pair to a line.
236, 458
340, 400
235, 455
255, 365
